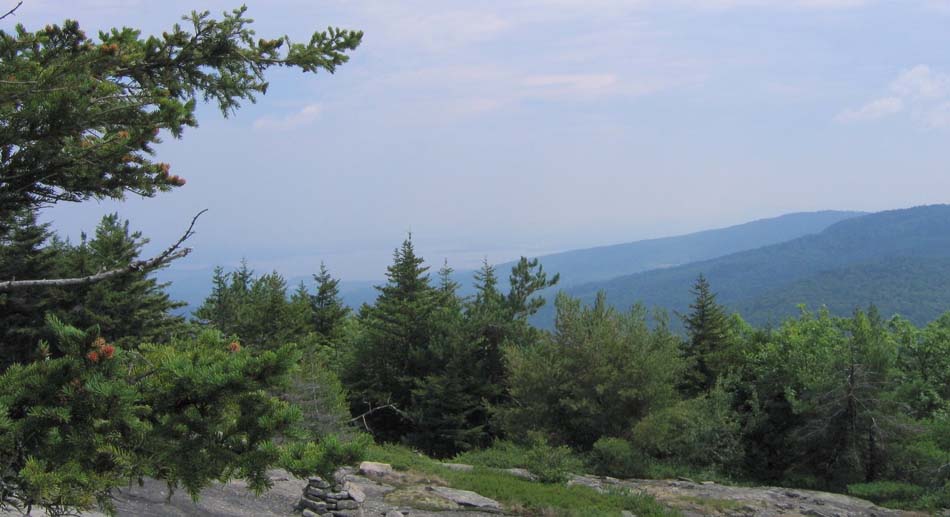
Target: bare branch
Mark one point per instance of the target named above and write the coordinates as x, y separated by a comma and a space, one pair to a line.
174, 252
372, 410
11, 11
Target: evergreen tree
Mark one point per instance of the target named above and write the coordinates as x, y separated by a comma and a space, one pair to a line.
527, 279
24, 253
95, 416
255, 309
596, 376
229, 292
327, 305
495, 319
394, 349
708, 333
79, 119
127, 309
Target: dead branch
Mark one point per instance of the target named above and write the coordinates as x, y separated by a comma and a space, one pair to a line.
372, 410
174, 252
11, 11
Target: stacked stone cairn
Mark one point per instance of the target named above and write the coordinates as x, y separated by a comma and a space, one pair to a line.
337, 499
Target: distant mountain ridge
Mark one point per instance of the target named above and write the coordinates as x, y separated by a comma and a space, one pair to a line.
582, 266
606, 262
898, 260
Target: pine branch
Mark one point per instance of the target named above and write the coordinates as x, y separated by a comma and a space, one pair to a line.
174, 252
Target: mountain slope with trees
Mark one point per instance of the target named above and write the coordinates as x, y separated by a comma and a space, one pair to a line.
896, 260
606, 262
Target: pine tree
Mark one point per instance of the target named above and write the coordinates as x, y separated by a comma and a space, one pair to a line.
707, 330
527, 279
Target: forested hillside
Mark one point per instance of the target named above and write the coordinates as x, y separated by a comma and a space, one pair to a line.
606, 262
894, 259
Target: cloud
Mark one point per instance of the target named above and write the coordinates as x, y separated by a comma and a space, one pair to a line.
873, 110
921, 91
475, 90
921, 82
434, 30
304, 117
568, 85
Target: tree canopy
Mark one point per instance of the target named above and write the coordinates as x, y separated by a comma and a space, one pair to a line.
85, 410
81, 115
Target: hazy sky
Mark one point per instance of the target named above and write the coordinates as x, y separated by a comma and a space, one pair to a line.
494, 128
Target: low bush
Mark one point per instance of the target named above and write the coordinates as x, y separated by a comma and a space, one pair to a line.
551, 464
617, 458
325, 456
700, 432
502, 454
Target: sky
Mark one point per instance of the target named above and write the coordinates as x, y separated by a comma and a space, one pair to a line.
491, 129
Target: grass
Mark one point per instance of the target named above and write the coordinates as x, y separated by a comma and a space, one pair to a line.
519, 495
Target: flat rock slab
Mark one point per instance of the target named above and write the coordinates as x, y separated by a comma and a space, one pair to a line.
219, 500
387, 500
373, 469
701, 499
467, 499
521, 473
458, 467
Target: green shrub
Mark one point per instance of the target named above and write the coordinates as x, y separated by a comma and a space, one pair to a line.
502, 454
324, 457
551, 464
886, 491
616, 457
700, 432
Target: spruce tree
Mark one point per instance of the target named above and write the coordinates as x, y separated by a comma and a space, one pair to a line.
707, 331
489, 321
127, 309
393, 351
255, 309
327, 305
24, 253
